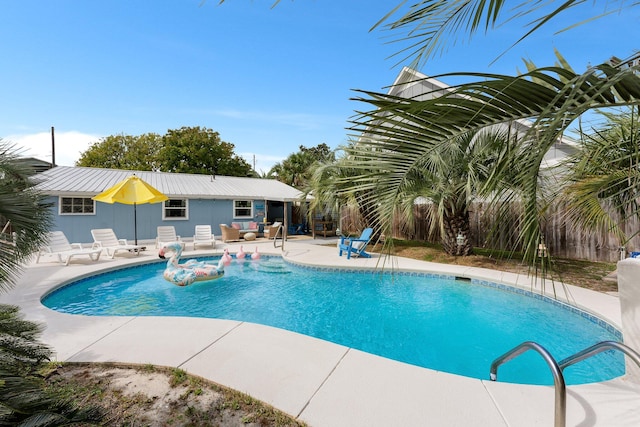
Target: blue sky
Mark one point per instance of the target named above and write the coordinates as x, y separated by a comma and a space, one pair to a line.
267, 79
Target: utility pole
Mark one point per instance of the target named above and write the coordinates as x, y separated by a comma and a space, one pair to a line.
53, 147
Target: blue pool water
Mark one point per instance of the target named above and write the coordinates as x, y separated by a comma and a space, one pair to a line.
443, 324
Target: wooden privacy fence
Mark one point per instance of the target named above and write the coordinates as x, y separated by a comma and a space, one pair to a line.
563, 237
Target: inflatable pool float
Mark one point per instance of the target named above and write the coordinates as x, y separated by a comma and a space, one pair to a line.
189, 272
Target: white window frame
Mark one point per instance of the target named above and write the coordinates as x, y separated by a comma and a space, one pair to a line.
176, 218
236, 208
93, 204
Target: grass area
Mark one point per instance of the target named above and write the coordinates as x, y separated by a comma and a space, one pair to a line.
586, 274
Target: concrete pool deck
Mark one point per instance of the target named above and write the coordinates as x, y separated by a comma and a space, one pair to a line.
320, 383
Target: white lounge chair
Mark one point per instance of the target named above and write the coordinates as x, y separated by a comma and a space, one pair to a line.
58, 245
167, 234
203, 236
105, 239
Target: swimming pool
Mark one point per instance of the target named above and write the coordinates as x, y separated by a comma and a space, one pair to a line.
434, 322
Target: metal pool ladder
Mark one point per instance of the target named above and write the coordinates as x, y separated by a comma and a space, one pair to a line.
558, 367
283, 236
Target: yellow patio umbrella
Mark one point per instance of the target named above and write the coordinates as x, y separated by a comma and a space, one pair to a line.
131, 191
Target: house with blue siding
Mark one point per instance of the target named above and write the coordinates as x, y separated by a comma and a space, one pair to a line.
193, 200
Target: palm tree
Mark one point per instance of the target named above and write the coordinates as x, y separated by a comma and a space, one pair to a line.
24, 220
23, 211
553, 96
453, 175
293, 170
400, 133
297, 169
23, 400
331, 188
384, 180
605, 175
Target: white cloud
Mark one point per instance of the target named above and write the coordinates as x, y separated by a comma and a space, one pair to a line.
68, 145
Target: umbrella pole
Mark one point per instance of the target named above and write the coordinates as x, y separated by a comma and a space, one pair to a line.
135, 223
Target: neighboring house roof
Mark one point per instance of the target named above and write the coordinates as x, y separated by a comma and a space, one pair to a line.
412, 84
37, 164
87, 182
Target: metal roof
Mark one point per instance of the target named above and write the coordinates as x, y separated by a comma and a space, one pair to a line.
87, 182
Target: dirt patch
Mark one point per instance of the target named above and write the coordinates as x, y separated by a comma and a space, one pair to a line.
155, 397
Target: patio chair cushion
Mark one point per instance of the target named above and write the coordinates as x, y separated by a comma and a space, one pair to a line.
245, 226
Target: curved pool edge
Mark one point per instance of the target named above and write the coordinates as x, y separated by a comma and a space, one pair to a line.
604, 306
323, 384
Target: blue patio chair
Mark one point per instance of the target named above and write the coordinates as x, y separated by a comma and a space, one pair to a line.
296, 229
356, 246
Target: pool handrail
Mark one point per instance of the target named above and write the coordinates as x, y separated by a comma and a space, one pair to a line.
598, 348
283, 236
560, 418
558, 367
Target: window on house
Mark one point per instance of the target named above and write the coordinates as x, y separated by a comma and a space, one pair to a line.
175, 209
77, 206
243, 208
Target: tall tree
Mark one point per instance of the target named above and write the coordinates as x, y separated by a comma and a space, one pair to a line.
200, 150
297, 169
124, 152
320, 153
186, 150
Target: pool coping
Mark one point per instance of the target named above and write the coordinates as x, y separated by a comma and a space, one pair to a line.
320, 383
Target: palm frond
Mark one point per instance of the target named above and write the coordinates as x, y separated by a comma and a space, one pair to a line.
399, 136
430, 27
23, 400
605, 174
23, 208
